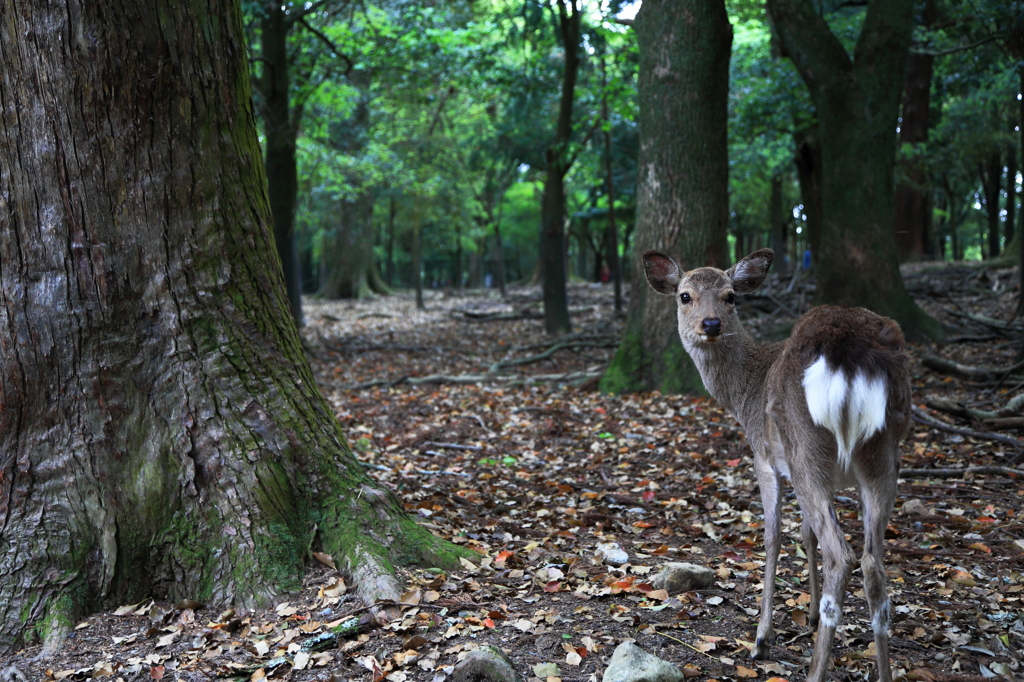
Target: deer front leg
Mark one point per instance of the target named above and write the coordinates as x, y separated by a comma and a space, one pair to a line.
769, 482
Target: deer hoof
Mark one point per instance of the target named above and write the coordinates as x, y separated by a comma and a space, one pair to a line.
761, 650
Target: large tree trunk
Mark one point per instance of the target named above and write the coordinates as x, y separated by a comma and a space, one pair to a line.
552, 211
913, 195
161, 431
281, 128
682, 189
857, 103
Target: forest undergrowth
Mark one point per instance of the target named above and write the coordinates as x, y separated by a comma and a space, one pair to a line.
496, 438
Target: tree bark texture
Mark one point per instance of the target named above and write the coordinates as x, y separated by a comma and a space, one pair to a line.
682, 188
281, 128
161, 431
857, 105
559, 160
1011, 193
913, 204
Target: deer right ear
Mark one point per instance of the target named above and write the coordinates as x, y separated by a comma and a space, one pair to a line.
662, 272
748, 273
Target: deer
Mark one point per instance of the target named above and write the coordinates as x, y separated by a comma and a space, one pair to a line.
826, 409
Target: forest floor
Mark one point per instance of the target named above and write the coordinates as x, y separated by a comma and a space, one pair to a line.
520, 459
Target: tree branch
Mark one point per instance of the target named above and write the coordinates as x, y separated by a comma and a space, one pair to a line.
960, 48
327, 41
818, 55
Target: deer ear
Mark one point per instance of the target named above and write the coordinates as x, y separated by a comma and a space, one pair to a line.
662, 272
748, 273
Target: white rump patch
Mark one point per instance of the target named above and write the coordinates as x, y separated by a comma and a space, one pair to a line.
852, 410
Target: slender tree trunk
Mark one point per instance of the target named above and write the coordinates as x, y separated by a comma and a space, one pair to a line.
777, 225
913, 204
417, 265
281, 130
809, 175
350, 260
857, 103
390, 268
499, 255
992, 182
552, 232
1011, 193
682, 188
1020, 215
458, 256
612, 236
161, 433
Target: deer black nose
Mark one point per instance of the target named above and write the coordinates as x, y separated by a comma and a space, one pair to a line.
712, 326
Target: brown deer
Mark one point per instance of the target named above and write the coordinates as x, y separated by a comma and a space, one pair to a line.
826, 409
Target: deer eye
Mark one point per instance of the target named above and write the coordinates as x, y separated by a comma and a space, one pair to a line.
731, 298
684, 297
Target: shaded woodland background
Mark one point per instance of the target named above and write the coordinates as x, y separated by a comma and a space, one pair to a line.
421, 133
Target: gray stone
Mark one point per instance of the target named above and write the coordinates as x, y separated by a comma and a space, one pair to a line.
677, 577
611, 553
914, 507
630, 663
486, 664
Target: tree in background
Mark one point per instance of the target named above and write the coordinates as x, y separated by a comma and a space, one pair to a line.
162, 433
280, 104
683, 192
857, 105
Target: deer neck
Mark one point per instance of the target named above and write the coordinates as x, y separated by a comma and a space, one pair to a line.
734, 371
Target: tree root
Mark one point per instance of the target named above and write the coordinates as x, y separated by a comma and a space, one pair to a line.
923, 417
374, 583
971, 372
1006, 417
503, 364
505, 379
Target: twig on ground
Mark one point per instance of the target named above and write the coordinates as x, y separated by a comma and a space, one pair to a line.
453, 446
953, 473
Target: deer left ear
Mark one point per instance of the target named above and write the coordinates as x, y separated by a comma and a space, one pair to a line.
662, 272
748, 273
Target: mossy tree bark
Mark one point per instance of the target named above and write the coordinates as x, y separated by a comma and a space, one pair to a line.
857, 105
682, 191
161, 432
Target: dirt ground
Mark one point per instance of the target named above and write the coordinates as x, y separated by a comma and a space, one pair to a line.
532, 468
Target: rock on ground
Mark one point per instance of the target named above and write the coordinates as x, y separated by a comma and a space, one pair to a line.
611, 553
676, 577
486, 664
630, 663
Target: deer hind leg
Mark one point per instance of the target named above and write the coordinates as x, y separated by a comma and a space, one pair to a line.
769, 482
878, 495
814, 490
810, 542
